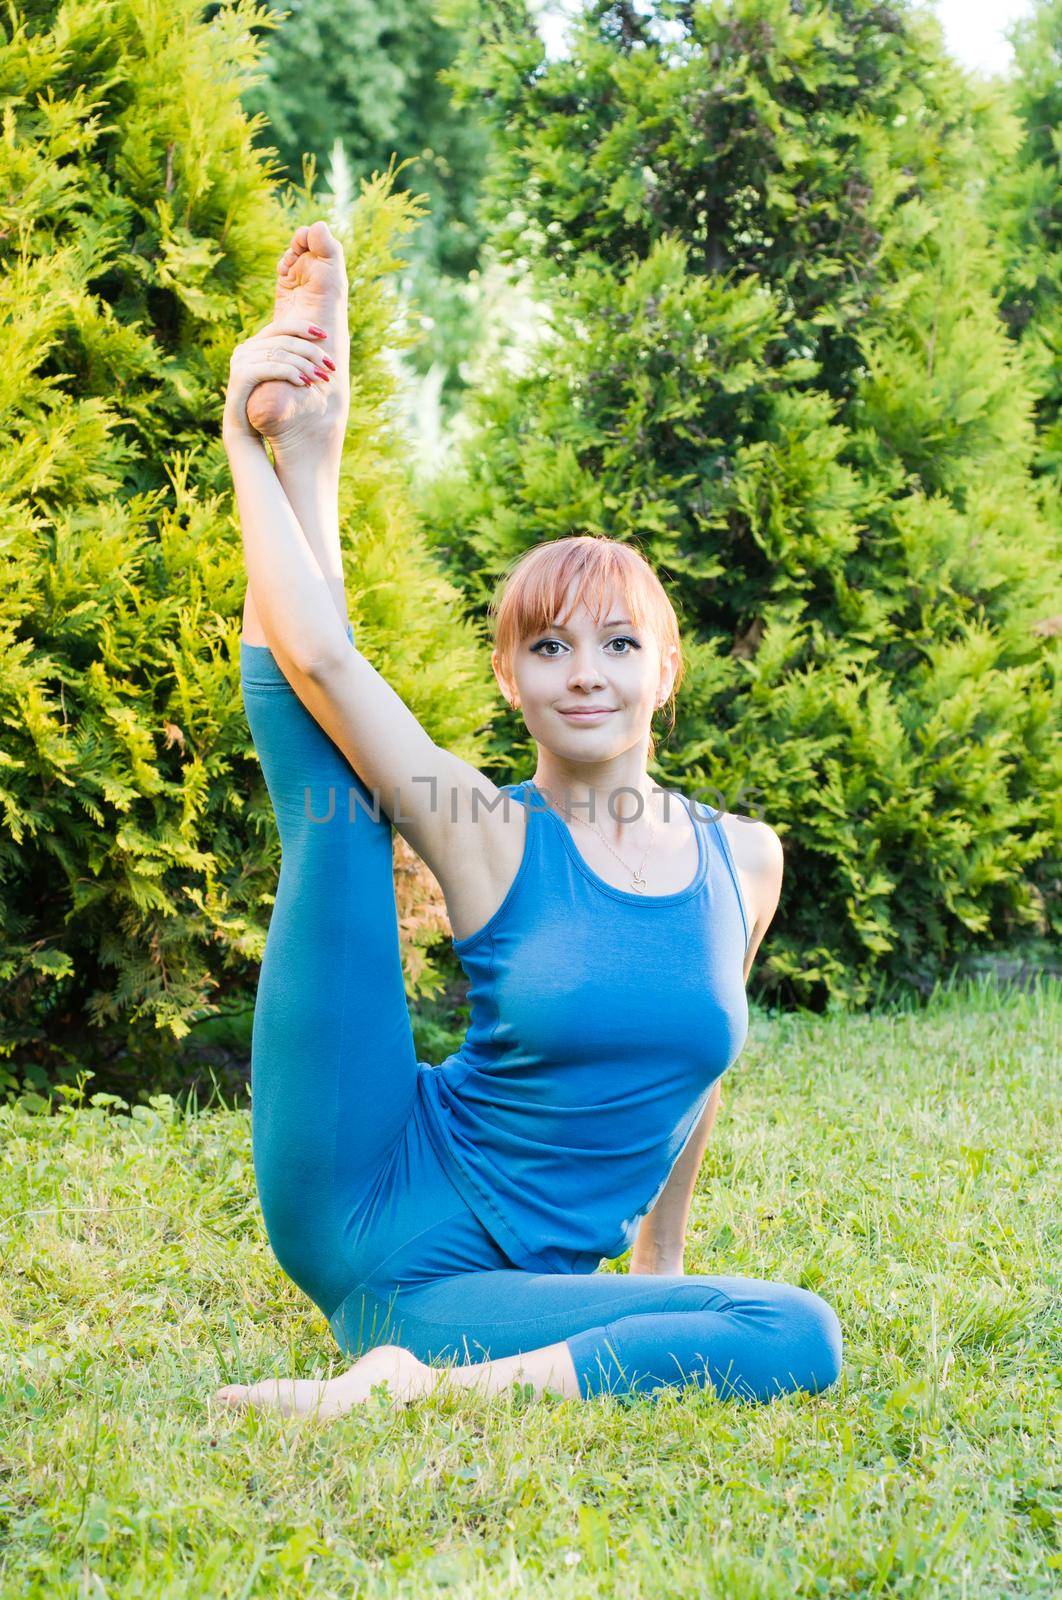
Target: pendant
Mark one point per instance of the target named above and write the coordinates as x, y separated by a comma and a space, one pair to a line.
638, 882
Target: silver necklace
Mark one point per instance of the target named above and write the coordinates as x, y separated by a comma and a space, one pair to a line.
637, 877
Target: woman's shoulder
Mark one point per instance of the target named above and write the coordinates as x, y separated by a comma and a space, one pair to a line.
758, 857
755, 845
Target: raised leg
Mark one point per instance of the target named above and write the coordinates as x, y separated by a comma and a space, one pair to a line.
333, 1070
306, 427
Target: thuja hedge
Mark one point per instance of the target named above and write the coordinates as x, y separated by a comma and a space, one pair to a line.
140, 235
1028, 218
774, 359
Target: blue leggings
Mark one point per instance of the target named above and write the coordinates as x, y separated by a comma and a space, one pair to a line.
361, 1212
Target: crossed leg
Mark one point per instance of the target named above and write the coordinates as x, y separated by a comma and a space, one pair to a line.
746, 1338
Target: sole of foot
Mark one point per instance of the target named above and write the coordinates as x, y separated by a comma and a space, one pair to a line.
311, 288
405, 1377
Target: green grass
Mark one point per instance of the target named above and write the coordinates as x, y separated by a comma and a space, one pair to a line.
902, 1164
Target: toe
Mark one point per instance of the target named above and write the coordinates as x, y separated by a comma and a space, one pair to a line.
321, 240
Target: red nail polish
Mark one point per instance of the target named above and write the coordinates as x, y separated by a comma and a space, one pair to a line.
306, 380
316, 330
321, 374
329, 363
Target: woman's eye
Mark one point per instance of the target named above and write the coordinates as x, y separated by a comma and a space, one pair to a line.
542, 648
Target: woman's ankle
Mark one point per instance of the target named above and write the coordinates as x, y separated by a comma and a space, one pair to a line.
317, 463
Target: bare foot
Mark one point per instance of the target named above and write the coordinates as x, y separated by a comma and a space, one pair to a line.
406, 1379
311, 287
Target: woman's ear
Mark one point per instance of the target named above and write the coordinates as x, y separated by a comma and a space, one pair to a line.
668, 669
508, 689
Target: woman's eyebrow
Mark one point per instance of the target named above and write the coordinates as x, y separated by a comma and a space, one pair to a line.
616, 622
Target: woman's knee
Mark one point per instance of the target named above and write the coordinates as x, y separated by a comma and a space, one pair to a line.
821, 1341
311, 1254
803, 1345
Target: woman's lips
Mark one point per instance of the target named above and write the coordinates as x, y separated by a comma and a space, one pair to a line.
580, 716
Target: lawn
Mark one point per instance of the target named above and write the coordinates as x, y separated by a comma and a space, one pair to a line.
902, 1164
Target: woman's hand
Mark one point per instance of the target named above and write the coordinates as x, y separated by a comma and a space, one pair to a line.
279, 351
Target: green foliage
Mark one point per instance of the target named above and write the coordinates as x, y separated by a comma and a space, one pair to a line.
774, 359
368, 76
1028, 220
138, 853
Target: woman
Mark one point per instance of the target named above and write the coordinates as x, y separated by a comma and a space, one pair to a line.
448, 1221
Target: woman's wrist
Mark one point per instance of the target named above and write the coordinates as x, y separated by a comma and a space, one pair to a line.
238, 443
662, 1260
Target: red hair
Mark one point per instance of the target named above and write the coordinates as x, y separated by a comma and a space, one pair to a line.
529, 595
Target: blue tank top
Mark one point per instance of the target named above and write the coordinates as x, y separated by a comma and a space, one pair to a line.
599, 1021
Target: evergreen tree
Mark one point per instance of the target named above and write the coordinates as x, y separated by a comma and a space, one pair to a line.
1028, 218
368, 76
138, 854
775, 360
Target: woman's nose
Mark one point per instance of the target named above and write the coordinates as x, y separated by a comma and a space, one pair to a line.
585, 673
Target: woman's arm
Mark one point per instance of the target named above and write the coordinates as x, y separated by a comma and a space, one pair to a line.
302, 616
311, 484
660, 1244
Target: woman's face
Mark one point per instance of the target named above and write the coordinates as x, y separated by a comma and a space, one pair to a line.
610, 673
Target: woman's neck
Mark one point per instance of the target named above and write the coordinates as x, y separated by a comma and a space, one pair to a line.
615, 803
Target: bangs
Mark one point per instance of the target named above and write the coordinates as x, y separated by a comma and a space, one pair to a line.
608, 576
